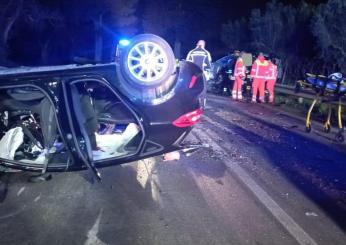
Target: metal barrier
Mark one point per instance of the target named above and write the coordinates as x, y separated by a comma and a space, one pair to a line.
307, 94
289, 90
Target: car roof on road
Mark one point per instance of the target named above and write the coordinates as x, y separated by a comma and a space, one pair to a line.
4, 71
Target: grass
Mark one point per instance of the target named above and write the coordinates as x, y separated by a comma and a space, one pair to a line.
300, 107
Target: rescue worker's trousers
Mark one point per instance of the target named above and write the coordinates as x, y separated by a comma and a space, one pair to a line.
237, 88
258, 86
270, 87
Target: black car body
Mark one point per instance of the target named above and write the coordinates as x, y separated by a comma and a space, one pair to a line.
221, 70
91, 116
223, 73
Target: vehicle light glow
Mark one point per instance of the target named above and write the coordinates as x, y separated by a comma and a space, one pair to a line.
189, 119
193, 81
124, 42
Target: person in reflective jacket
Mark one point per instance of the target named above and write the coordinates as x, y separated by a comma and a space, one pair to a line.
239, 76
271, 79
200, 56
259, 73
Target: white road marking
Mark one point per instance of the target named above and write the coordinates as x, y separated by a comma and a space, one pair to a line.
92, 238
37, 198
289, 224
20, 191
10, 215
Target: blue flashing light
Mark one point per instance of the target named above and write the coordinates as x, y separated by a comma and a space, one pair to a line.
124, 42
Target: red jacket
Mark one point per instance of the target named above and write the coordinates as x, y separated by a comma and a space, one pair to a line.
272, 71
239, 69
259, 69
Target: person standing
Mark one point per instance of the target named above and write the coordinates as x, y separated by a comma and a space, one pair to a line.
259, 73
200, 56
271, 79
239, 76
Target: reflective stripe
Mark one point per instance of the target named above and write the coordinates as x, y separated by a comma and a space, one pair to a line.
257, 69
272, 71
260, 63
239, 68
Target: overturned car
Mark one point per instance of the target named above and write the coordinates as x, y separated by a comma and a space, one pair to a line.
74, 117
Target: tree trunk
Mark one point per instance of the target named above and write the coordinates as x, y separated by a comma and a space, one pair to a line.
98, 39
177, 48
7, 28
11, 22
44, 52
284, 75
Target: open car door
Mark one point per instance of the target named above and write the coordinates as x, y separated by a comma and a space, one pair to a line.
82, 138
106, 129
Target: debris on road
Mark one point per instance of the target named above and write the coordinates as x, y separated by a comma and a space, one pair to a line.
311, 214
171, 156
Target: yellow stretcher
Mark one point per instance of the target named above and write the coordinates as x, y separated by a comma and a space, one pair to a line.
327, 89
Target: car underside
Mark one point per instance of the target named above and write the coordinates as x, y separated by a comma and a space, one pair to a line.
75, 117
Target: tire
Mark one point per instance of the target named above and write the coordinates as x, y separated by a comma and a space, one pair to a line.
308, 128
339, 137
219, 79
147, 62
327, 128
298, 87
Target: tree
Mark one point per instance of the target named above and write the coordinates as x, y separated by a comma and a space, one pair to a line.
9, 13
124, 16
46, 24
181, 22
273, 30
235, 34
329, 29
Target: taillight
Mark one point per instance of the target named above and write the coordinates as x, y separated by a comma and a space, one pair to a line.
193, 81
188, 119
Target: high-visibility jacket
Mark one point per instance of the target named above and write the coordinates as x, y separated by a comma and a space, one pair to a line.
200, 57
272, 71
239, 68
259, 69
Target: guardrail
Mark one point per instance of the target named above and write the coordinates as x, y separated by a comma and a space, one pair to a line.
289, 90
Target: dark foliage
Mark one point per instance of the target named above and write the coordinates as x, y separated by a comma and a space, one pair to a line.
307, 38
43, 32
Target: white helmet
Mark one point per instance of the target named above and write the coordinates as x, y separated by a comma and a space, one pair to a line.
201, 43
337, 76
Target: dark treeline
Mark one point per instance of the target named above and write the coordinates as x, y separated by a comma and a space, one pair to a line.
43, 32
308, 38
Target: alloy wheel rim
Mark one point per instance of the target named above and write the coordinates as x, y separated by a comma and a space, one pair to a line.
147, 62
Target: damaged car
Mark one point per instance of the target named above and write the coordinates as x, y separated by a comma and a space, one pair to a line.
76, 117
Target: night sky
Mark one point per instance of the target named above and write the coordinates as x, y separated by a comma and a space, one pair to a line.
76, 35
241, 8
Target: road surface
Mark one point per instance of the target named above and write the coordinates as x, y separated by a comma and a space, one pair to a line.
262, 181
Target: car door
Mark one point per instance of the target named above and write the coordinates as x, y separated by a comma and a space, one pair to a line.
31, 136
106, 130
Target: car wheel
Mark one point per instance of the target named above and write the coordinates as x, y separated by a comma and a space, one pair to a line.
308, 128
298, 87
219, 79
339, 137
147, 68
327, 128
148, 61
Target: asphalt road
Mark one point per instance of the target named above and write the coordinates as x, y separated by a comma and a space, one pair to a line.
262, 181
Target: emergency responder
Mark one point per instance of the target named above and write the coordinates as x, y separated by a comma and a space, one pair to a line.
239, 76
200, 56
258, 73
271, 79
